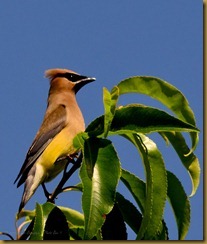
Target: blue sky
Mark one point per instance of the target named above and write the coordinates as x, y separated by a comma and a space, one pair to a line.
109, 40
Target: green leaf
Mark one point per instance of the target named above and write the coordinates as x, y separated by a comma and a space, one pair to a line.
90, 155
56, 226
180, 204
74, 218
114, 227
99, 186
129, 212
164, 92
163, 233
38, 229
109, 101
136, 186
190, 161
41, 216
76, 233
139, 119
28, 214
145, 119
47, 208
156, 186
38, 216
138, 189
79, 139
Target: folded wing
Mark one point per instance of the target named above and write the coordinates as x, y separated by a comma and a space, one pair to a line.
52, 124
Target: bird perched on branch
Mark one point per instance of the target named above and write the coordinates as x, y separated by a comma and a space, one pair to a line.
63, 120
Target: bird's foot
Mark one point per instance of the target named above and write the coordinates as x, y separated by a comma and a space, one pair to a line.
47, 194
70, 158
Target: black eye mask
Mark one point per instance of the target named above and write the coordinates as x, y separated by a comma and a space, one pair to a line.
71, 76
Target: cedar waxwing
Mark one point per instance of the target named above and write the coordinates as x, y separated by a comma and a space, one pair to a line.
63, 120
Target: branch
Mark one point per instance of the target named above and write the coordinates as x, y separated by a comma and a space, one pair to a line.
7, 234
66, 176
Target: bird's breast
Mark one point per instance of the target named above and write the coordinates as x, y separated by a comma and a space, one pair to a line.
60, 146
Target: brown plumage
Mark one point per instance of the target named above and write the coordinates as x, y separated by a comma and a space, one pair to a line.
63, 120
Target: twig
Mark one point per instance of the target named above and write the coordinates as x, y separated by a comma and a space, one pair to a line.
28, 231
67, 188
66, 176
6, 234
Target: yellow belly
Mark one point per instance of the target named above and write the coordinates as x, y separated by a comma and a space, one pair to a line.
60, 146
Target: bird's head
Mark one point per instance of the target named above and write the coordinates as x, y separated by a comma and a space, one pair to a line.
62, 78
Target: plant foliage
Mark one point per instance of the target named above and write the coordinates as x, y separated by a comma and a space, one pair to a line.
107, 211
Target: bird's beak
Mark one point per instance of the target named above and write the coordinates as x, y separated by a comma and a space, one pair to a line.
82, 82
86, 79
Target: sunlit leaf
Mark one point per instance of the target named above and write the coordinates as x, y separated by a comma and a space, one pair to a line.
162, 233
190, 161
109, 101
28, 214
38, 229
79, 139
164, 92
156, 186
99, 187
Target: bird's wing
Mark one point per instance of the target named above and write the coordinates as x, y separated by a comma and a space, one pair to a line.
52, 124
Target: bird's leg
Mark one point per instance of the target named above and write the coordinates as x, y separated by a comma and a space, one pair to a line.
71, 157
47, 194
67, 175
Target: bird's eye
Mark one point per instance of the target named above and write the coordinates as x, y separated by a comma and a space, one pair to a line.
72, 77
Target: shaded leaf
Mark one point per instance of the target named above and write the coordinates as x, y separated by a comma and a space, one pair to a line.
146, 119
90, 155
180, 204
129, 212
135, 186
139, 119
114, 227
74, 218
138, 189
36, 227
56, 227
76, 233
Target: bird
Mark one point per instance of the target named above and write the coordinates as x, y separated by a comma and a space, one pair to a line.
62, 121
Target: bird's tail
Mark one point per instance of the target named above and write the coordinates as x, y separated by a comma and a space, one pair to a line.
34, 179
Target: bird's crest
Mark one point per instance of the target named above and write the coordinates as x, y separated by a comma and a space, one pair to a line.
52, 73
